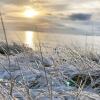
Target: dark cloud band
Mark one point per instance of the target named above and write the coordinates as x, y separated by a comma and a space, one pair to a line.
80, 16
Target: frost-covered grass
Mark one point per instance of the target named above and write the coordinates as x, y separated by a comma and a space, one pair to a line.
66, 73
13, 48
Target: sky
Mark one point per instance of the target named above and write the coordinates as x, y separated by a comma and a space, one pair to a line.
56, 16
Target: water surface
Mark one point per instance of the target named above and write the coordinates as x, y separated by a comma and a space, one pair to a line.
31, 38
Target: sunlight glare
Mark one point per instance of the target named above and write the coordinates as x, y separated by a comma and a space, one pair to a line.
30, 12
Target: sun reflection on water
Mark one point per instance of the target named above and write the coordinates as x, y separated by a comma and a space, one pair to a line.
29, 39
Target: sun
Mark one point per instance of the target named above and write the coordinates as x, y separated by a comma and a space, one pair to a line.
30, 12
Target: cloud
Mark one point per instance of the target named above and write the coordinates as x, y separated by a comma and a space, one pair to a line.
80, 16
58, 13
15, 2
58, 7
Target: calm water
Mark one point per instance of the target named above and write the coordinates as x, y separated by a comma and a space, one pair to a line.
30, 38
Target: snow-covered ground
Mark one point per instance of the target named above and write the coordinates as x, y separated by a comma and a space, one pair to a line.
33, 76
